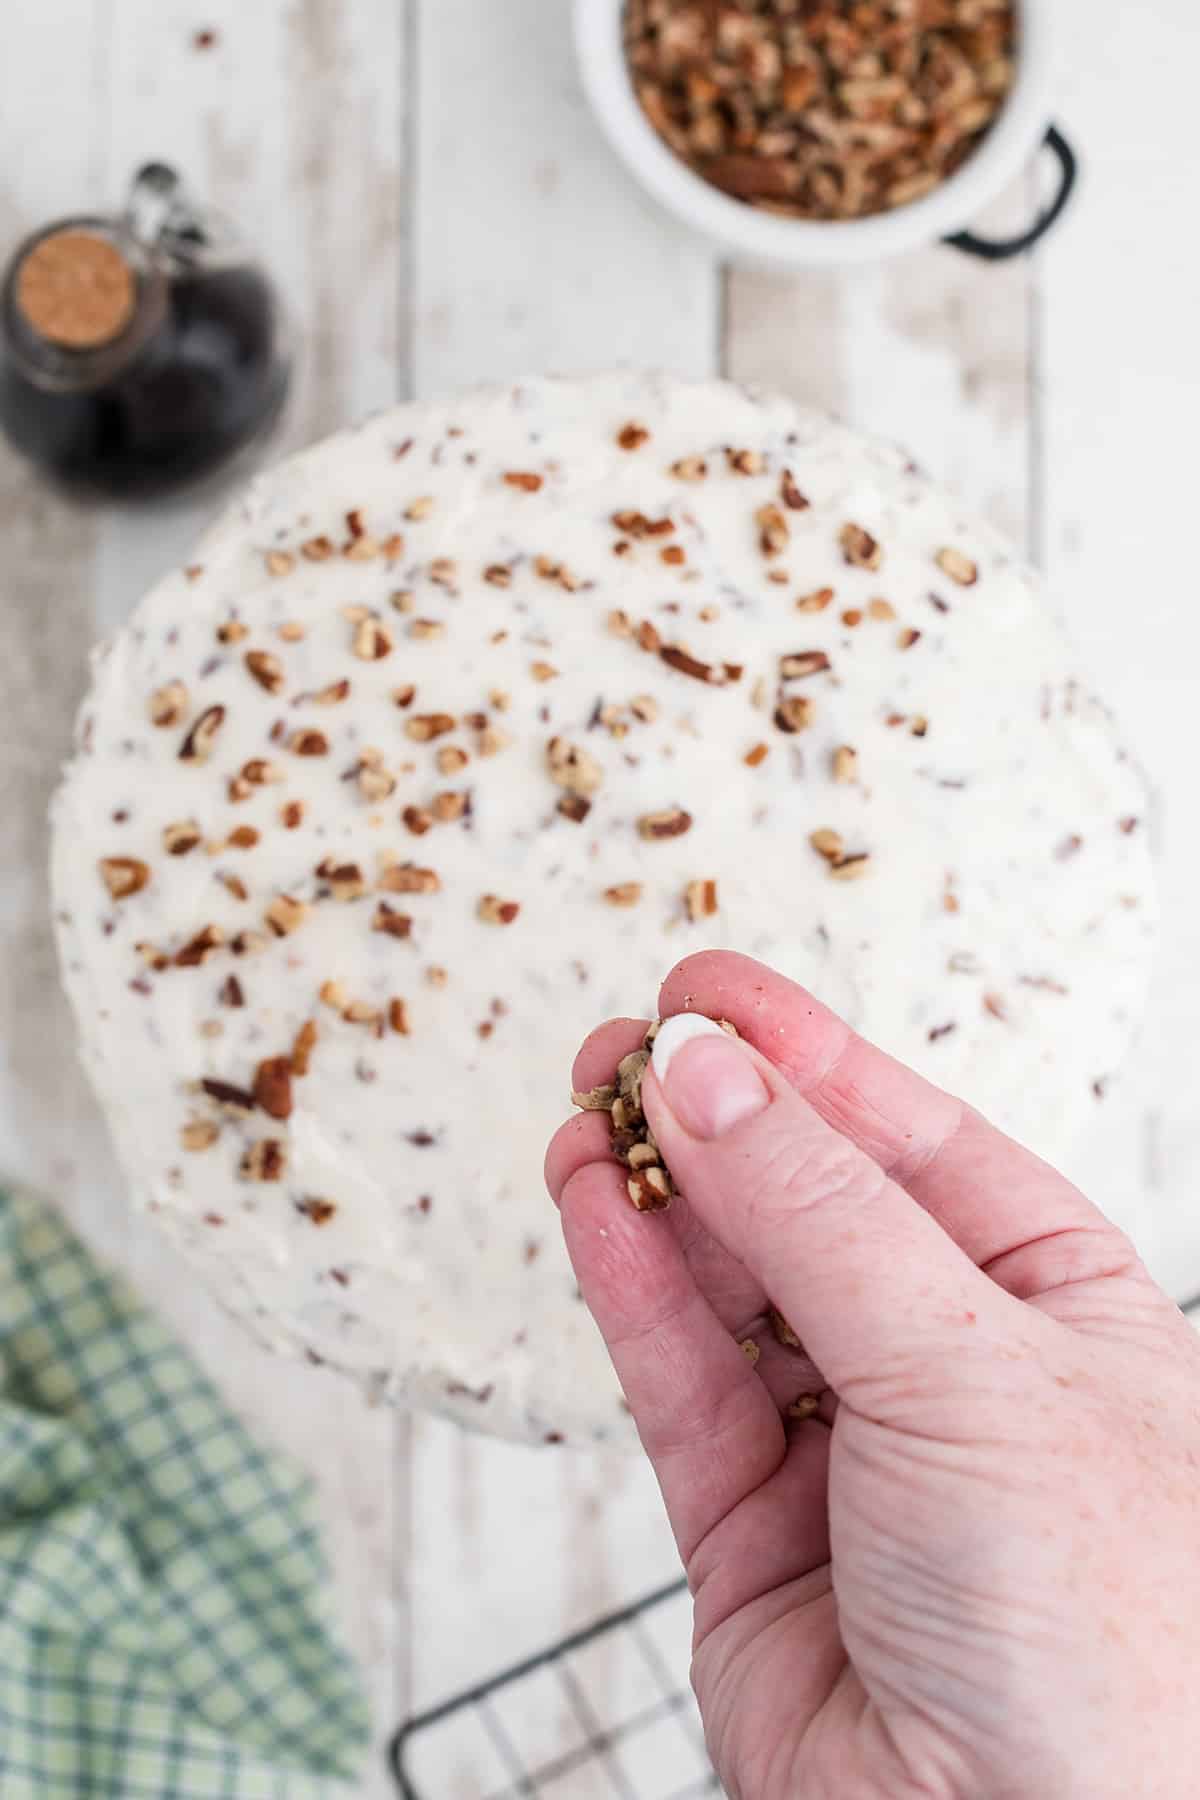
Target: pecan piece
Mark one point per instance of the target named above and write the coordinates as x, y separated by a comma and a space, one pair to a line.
597, 1099
199, 1134
346, 881
790, 494
266, 669
260, 773
265, 1160
124, 875
372, 640
574, 807
388, 920
286, 914
850, 868
783, 1332
197, 950
794, 714
700, 899
774, 532
494, 911
375, 783
236, 1099
200, 741
859, 548
168, 705
319, 1211
408, 878
827, 843
800, 664
772, 178
715, 674
572, 768
649, 1189
669, 824
423, 727
803, 1406
302, 1048
746, 462
308, 742
958, 567
449, 806
273, 1086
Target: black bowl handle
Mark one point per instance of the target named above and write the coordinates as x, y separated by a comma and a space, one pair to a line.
999, 249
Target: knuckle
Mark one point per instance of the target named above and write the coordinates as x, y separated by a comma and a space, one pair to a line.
818, 1169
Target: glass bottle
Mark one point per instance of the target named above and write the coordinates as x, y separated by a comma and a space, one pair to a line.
139, 353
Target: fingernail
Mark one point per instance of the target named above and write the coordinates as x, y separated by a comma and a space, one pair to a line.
708, 1080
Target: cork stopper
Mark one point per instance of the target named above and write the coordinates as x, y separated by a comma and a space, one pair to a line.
76, 290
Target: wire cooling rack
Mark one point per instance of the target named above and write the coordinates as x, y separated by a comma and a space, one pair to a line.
602, 1715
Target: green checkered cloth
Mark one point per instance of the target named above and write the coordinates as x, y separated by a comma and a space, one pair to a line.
162, 1626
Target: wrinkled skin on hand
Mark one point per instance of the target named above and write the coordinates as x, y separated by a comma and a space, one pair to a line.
975, 1571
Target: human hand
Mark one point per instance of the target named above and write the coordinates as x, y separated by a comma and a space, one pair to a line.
976, 1570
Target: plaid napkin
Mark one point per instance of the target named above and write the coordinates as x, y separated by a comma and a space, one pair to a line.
161, 1625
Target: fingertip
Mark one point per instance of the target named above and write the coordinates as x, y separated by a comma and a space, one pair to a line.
577, 1142
699, 974
627, 1263
782, 1019
603, 1049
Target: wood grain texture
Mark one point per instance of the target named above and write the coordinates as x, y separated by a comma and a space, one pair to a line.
536, 252
294, 124
931, 350
1118, 297
49, 1126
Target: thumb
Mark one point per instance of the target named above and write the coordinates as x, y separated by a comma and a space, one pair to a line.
862, 1274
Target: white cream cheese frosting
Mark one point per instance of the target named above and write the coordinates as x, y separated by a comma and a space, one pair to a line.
465, 725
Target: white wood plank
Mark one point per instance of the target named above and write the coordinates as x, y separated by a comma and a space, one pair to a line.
1119, 297
931, 349
293, 121
541, 1541
295, 127
48, 114
535, 252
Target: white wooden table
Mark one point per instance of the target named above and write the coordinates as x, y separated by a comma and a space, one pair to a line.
440, 207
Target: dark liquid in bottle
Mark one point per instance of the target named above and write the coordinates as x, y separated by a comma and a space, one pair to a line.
208, 379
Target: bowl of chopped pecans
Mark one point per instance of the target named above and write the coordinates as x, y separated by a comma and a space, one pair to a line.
818, 133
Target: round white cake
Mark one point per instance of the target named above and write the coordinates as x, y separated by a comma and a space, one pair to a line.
464, 726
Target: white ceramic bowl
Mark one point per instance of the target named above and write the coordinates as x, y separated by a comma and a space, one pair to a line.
766, 239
